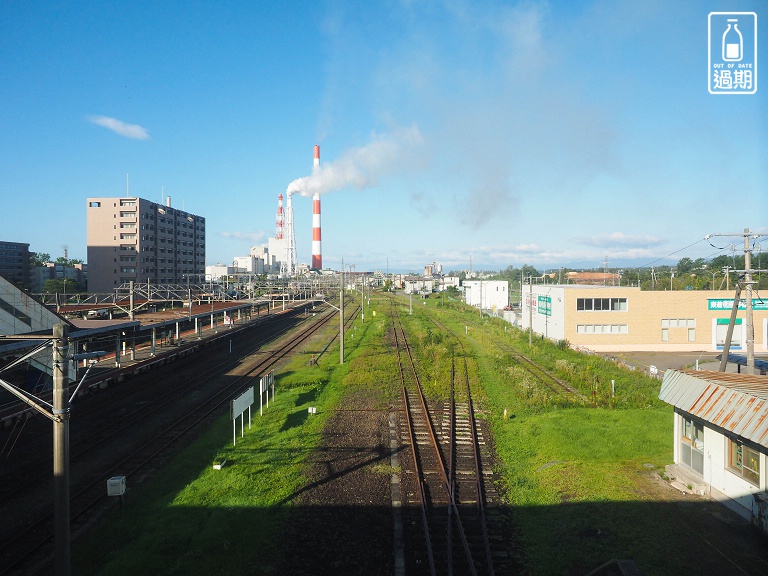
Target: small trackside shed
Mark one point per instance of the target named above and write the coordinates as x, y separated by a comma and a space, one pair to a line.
721, 437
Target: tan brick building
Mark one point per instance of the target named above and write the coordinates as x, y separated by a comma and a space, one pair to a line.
617, 318
144, 241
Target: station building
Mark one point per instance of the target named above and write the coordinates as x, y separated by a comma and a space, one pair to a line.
621, 318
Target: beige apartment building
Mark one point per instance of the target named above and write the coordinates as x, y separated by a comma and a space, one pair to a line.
136, 239
618, 318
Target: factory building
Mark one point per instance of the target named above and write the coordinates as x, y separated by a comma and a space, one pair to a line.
620, 318
136, 239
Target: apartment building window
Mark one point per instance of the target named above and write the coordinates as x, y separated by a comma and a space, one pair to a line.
127, 214
602, 329
601, 304
744, 461
127, 236
688, 323
127, 203
129, 225
678, 323
94, 204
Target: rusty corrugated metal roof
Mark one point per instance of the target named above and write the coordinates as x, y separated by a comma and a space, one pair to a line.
735, 402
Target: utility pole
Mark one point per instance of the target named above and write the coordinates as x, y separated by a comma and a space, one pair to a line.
750, 323
341, 315
530, 311
61, 449
748, 283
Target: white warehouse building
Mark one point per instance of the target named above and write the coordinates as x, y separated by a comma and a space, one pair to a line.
487, 294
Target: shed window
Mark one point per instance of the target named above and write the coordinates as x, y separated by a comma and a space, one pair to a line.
744, 461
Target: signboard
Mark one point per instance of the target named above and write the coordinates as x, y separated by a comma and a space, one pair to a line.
241, 403
237, 407
727, 304
545, 305
265, 384
732, 62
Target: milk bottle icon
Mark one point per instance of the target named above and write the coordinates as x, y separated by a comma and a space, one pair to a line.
733, 43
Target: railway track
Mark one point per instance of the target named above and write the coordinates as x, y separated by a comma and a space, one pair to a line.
449, 493
27, 550
559, 387
176, 380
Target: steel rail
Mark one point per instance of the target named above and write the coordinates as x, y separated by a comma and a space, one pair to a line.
416, 463
37, 535
479, 485
452, 508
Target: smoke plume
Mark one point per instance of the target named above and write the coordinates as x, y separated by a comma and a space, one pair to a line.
361, 168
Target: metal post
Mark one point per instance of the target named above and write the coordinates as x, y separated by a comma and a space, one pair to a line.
131, 313
61, 448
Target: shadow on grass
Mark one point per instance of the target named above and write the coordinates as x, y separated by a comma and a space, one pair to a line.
294, 419
305, 397
242, 539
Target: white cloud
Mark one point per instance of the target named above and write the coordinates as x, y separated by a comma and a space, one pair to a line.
250, 236
619, 239
119, 127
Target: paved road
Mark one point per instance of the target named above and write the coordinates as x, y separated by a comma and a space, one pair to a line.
677, 360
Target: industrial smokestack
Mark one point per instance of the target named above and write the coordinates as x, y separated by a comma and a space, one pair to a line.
280, 219
317, 255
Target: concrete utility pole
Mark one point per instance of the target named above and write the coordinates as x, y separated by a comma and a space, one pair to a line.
749, 325
341, 316
530, 310
61, 449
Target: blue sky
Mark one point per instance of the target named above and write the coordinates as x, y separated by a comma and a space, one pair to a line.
544, 133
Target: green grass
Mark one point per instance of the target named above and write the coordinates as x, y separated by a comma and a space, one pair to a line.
569, 468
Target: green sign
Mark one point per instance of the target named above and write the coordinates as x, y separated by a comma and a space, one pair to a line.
545, 305
727, 304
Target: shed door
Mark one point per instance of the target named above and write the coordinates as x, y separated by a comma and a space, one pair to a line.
692, 445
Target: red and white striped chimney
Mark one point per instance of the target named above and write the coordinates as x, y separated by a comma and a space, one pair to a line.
317, 255
279, 220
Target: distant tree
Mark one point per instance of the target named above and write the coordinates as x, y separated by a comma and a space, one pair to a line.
528, 270
63, 286
685, 265
68, 262
40, 258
